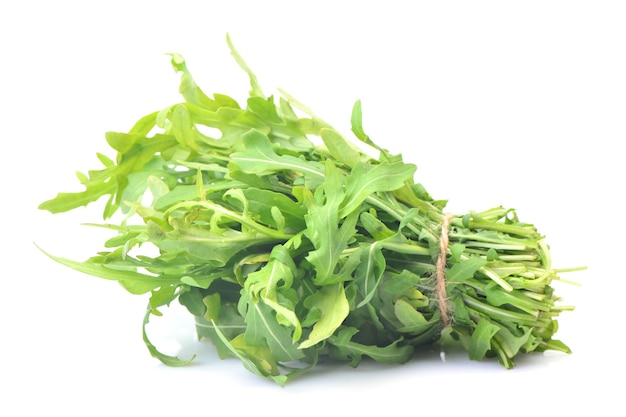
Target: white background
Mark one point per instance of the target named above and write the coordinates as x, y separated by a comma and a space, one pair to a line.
514, 103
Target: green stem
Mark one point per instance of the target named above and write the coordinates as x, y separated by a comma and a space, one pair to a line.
499, 313
498, 227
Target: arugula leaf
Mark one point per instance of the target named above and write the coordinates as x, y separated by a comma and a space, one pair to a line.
465, 269
134, 282
481, 338
346, 349
331, 302
263, 286
261, 159
264, 330
329, 233
339, 148
369, 273
164, 296
362, 182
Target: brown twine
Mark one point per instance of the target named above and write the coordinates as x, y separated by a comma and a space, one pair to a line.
441, 266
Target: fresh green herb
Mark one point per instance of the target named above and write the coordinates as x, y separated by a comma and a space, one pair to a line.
290, 244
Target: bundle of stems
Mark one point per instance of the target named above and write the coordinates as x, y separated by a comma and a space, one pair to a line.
289, 243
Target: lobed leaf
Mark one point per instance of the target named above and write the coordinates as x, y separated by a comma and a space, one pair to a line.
480, 341
264, 330
331, 303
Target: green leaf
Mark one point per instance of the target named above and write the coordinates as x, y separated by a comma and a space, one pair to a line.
412, 320
254, 83
261, 159
192, 300
122, 142
496, 296
188, 88
369, 273
254, 363
328, 233
228, 321
461, 313
492, 255
264, 286
166, 359
161, 296
464, 270
213, 306
263, 203
365, 180
279, 268
68, 201
399, 283
215, 248
511, 343
329, 246
265, 108
375, 227
346, 349
456, 250
134, 282
480, 341
333, 306
182, 126
112, 180
144, 126
356, 122
264, 330
340, 149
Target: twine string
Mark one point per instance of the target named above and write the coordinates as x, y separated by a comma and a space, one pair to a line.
441, 266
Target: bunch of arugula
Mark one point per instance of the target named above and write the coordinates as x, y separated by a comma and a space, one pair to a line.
288, 243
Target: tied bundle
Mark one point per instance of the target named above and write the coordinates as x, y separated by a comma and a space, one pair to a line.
289, 244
